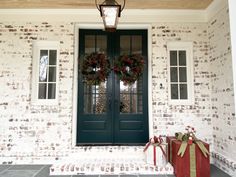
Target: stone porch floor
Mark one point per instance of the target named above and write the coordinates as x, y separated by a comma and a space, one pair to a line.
43, 171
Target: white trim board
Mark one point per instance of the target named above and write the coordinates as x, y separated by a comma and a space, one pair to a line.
128, 15
92, 15
75, 80
37, 47
188, 47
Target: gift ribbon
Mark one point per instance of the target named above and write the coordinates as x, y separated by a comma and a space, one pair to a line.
202, 148
192, 154
157, 141
184, 138
192, 158
154, 158
171, 140
182, 148
146, 147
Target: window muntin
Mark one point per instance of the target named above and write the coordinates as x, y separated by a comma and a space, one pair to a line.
131, 96
95, 96
180, 72
45, 72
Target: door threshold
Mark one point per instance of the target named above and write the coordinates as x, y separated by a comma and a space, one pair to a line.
109, 144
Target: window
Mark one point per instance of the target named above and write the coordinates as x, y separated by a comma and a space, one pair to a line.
45, 72
180, 72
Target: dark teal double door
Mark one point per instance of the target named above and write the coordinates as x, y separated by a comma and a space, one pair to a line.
112, 113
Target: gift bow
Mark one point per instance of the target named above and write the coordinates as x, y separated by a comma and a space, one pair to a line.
184, 138
155, 141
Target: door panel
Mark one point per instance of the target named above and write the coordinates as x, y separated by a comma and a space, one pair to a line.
112, 113
94, 119
131, 119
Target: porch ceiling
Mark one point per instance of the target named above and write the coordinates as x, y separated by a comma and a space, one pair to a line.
82, 4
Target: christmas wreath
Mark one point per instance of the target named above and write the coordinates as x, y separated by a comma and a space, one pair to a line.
129, 68
96, 68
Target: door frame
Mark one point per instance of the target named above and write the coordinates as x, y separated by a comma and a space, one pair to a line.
147, 27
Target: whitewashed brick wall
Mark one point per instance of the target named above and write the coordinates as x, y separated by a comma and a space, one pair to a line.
168, 118
31, 130
27, 130
223, 113
43, 134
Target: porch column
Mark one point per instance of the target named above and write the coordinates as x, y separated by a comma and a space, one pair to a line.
232, 17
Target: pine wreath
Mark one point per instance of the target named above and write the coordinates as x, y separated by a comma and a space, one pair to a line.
129, 68
96, 68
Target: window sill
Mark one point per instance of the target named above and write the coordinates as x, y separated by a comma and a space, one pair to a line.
181, 102
37, 102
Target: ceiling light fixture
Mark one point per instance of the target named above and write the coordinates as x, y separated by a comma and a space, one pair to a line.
110, 11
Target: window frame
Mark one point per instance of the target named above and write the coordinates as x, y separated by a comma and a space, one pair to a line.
188, 47
37, 47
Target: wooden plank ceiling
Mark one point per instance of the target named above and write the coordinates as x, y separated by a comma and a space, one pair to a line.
83, 4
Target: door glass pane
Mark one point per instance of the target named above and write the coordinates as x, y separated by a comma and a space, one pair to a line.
182, 74
95, 98
137, 44
101, 44
183, 91
173, 58
130, 44
125, 44
182, 58
131, 103
89, 44
95, 43
174, 91
173, 74
131, 98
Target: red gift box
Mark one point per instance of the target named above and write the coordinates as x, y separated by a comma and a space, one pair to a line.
183, 166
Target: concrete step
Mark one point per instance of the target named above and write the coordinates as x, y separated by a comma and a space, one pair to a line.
108, 160
116, 168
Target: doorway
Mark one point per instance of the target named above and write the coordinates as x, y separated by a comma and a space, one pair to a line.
112, 113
